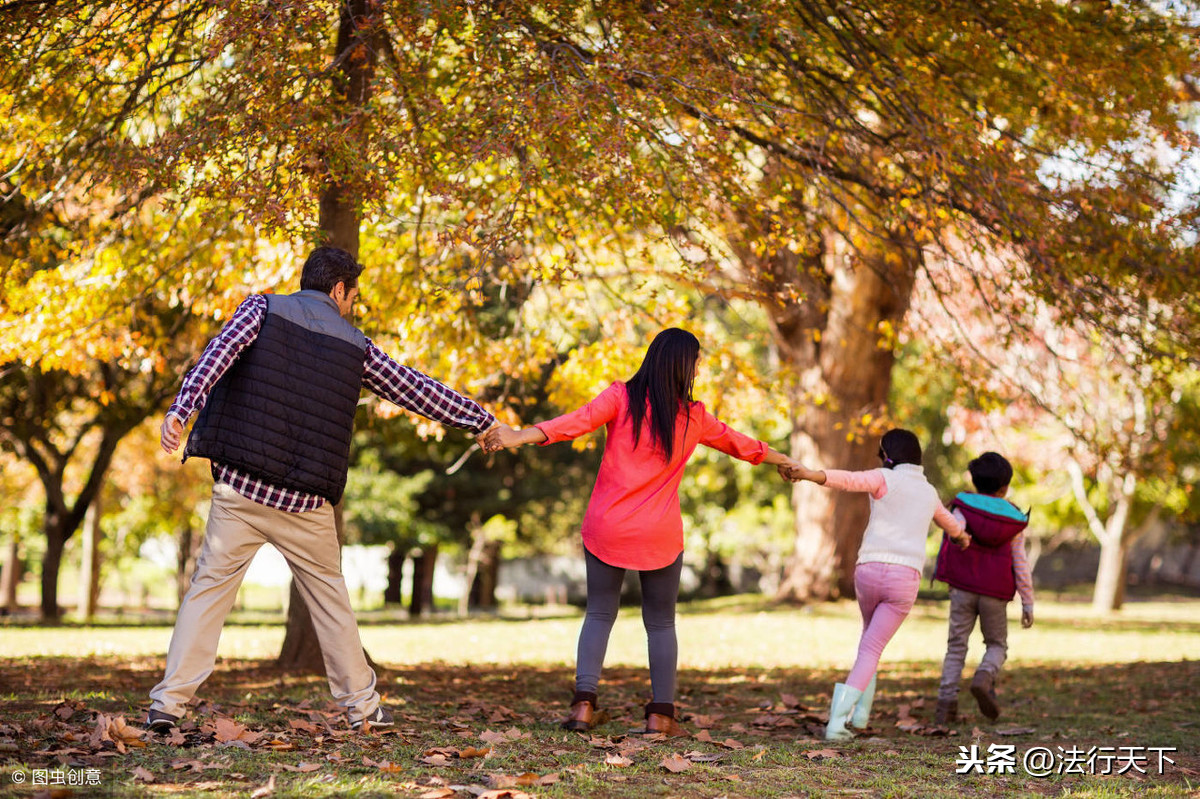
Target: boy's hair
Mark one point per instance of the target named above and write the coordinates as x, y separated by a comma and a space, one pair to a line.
990, 472
328, 266
899, 446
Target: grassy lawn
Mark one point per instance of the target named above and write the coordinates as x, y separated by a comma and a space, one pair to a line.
478, 704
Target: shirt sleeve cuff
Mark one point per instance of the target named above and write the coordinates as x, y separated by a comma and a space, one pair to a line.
177, 413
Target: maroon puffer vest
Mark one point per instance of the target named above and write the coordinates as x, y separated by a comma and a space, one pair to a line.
985, 567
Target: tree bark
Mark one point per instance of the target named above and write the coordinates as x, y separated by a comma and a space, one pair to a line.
483, 587
1110, 576
189, 550
339, 214
421, 601
833, 338
56, 540
89, 568
393, 594
10, 577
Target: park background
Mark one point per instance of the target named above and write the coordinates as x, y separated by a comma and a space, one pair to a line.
978, 222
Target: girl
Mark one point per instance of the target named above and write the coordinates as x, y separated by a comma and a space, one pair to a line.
633, 519
889, 560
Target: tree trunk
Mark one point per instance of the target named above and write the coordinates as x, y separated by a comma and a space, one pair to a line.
338, 211
10, 577
714, 581
483, 588
833, 336
421, 601
478, 540
89, 568
1109, 592
56, 540
393, 593
300, 653
189, 550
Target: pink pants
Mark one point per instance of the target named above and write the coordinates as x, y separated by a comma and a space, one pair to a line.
886, 592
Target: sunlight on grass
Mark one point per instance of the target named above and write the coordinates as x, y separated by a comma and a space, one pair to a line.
731, 632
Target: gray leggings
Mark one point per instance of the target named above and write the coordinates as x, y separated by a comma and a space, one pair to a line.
660, 590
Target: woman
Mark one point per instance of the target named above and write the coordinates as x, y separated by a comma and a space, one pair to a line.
633, 519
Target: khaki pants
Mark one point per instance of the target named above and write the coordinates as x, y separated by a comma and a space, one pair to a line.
965, 606
237, 527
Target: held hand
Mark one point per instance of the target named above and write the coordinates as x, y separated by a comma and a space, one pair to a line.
963, 540
172, 432
1027, 618
502, 437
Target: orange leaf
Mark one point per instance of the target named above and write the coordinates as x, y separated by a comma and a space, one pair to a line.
676, 764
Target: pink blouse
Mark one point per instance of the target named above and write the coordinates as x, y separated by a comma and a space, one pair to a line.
633, 519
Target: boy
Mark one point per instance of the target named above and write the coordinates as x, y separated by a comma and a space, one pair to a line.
983, 579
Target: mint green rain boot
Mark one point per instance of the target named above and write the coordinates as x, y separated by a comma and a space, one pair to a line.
844, 699
862, 711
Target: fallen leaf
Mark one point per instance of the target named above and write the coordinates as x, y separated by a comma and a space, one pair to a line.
437, 793
142, 774
472, 751
703, 757
266, 790
703, 736
613, 759
528, 778
488, 736
729, 743
676, 764
760, 754
505, 793
548, 779
229, 730
822, 754
1016, 731
304, 726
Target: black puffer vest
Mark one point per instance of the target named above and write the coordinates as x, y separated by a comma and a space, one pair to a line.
284, 412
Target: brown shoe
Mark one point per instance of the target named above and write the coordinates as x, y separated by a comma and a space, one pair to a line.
983, 688
664, 725
946, 713
660, 720
584, 714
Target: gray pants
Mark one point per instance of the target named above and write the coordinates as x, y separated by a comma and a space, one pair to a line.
660, 590
993, 622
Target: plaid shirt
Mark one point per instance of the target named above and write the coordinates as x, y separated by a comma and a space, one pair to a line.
406, 387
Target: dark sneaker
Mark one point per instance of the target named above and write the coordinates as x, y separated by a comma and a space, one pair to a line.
157, 721
382, 717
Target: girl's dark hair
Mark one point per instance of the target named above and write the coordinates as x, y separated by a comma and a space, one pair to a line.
665, 378
328, 266
899, 446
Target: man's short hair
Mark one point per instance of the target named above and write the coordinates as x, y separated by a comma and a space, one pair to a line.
990, 472
328, 266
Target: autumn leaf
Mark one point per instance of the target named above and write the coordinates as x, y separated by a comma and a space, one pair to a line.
488, 736
265, 790
472, 751
142, 774
703, 736
730, 743
613, 759
676, 764
437, 793
822, 754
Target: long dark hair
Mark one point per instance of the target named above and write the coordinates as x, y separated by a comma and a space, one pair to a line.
665, 377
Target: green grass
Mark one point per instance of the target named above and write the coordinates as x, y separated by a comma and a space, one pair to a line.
761, 675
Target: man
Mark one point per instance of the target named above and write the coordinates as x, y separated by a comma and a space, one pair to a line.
276, 392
